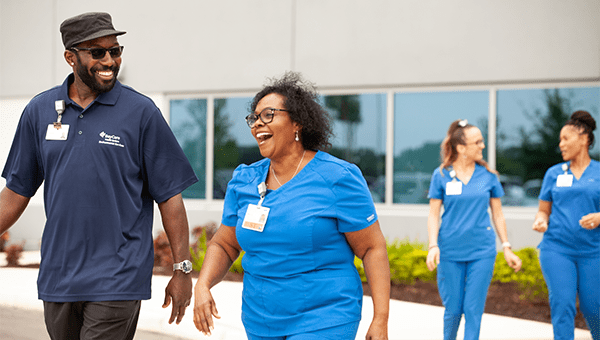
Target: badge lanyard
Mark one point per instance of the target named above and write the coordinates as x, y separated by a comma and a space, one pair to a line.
262, 191
453, 187
256, 215
564, 180
57, 130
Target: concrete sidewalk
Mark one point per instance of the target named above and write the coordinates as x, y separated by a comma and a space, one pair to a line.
407, 320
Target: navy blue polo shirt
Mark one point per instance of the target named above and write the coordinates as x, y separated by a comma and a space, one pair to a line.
99, 187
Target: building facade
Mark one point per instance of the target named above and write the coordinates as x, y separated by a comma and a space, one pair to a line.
393, 75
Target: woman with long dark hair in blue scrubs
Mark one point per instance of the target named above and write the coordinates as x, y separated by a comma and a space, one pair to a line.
569, 215
463, 247
300, 215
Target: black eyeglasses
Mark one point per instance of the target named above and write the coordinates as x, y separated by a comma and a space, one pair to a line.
99, 53
266, 115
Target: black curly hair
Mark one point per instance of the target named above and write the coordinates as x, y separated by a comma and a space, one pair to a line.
584, 121
301, 101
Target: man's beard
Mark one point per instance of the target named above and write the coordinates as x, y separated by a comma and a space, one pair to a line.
90, 80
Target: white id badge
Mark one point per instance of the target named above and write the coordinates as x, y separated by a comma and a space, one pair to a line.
564, 180
256, 218
453, 188
61, 133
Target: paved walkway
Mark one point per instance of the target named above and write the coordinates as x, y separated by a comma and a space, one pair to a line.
408, 320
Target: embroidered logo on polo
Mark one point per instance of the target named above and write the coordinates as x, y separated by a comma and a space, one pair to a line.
110, 139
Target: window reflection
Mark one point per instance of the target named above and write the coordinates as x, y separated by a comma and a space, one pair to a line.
421, 121
234, 144
528, 124
359, 128
528, 129
188, 122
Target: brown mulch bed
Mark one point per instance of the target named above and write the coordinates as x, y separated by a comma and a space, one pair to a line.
502, 299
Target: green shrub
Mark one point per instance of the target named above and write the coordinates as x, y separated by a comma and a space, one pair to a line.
361, 269
529, 279
408, 264
198, 249
236, 267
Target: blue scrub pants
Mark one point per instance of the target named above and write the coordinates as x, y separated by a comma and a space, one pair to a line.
463, 287
566, 277
342, 332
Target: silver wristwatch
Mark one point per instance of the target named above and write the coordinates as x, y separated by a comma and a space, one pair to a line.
185, 266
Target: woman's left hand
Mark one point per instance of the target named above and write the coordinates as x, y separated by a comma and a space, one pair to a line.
378, 330
513, 260
590, 221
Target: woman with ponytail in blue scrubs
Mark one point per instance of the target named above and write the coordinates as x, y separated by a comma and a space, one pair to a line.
463, 247
300, 215
569, 215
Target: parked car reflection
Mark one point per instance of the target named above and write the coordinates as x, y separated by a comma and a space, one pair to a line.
517, 193
409, 187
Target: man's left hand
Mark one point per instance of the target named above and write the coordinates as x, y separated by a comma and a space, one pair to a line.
179, 290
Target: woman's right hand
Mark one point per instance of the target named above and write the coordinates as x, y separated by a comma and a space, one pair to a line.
204, 309
540, 225
433, 258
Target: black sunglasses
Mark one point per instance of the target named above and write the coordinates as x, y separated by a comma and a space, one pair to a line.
265, 115
99, 53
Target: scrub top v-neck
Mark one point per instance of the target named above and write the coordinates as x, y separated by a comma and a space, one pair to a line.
569, 205
466, 232
299, 272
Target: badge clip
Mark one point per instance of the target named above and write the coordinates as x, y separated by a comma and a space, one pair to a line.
59, 106
262, 191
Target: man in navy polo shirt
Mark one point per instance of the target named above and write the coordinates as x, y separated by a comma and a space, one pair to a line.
105, 154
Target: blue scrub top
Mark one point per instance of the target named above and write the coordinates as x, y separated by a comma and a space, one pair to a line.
569, 205
466, 232
299, 272
100, 185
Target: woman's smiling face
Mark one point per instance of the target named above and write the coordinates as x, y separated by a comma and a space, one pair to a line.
275, 137
572, 142
474, 144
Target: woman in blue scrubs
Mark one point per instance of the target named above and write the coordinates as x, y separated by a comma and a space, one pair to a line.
300, 215
569, 215
463, 248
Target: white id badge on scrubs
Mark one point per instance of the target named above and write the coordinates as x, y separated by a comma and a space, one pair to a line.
52, 133
256, 218
564, 180
453, 188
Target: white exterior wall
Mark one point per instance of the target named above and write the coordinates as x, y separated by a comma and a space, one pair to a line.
228, 47
206, 46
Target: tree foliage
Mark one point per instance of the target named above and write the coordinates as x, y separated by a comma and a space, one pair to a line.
539, 147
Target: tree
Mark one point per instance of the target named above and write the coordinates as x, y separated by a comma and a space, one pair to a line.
347, 110
226, 149
192, 137
539, 148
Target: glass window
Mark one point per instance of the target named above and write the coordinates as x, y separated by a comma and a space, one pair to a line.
421, 121
359, 129
528, 129
188, 122
234, 144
